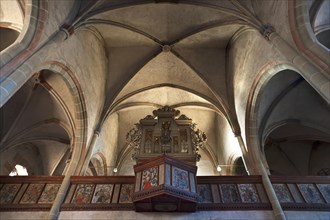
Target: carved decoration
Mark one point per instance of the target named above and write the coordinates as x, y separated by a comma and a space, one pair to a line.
133, 138
166, 132
198, 139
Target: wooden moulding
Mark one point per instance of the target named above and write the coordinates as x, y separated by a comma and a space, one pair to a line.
300, 179
31, 179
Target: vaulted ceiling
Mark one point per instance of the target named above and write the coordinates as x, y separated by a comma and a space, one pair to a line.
156, 53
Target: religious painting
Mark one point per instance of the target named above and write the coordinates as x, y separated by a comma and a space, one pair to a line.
180, 178
8, 193
282, 193
229, 193
32, 193
325, 190
102, 193
204, 193
149, 177
83, 194
126, 193
310, 193
49, 193
248, 193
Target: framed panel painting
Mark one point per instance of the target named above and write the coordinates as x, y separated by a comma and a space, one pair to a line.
149, 178
102, 193
180, 178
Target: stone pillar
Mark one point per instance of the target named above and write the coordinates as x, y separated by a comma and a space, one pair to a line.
88, 156
277, 209
62, 192
320, 81
256, 165
55, 209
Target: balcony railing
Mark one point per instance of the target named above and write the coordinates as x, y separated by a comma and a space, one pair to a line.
115, 193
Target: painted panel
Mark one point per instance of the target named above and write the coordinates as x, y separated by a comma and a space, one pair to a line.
49, 193
150, 177
282, 193
83, 194
248, 193
310, 193
116, 193
229, 193
180, 178
8, 193
102, 193
161, 174
325, 190
204, 193
168, 174
192, 182
215, 193
126, 193
32, 193
138, 181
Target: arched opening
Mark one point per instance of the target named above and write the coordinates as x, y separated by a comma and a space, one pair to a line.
238, 168
324, 38
294, 126
97, 166
11, 22
8, 37
295, 149
320, 21
35, 129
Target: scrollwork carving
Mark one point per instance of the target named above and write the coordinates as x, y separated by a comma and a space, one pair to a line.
133, 139
198, 138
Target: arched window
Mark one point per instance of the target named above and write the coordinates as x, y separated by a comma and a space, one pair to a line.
19, 170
